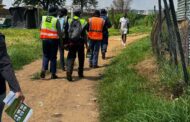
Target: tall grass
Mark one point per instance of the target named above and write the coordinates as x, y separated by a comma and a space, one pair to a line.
23, 46
125, 96
132, 30
134, 19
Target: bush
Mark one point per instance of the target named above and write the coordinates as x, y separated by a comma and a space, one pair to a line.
135, 19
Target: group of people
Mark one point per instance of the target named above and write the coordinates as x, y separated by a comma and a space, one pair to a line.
61, 32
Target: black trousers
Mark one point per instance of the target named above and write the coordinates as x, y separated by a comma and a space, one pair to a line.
73, 51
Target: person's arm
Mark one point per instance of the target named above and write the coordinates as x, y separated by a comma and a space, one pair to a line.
84, 35
58, 26
119, 26
128, 25
109, 24
7, 71
66, 29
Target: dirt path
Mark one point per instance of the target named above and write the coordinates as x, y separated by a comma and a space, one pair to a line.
62, 101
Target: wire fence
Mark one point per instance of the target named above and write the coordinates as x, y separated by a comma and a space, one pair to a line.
169, 41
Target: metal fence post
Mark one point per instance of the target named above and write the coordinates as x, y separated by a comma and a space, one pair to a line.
186, 76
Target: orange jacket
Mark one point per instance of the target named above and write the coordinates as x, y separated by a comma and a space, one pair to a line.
96, 25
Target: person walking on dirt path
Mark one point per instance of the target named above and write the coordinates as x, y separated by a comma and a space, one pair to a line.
95, 34
77, 40
7, 74
51, 35
108, 25
63, 19
124, 28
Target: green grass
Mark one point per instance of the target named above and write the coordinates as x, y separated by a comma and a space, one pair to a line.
23, 46
132, 30
125, 96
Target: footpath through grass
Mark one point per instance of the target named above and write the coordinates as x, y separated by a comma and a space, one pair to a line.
23, 46
125, 96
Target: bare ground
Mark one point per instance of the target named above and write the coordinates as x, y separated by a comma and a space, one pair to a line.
62, 101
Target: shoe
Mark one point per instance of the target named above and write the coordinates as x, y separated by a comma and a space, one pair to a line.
69, 77
54, 76
63, 69
81, 75
96, 66
42, 74
103, 56
90, 65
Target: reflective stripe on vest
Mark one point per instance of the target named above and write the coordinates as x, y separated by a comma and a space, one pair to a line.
48, 29
96, 25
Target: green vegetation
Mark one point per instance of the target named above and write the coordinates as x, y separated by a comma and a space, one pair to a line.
135, 29
138, 23
135, 19
23, 46
128, 97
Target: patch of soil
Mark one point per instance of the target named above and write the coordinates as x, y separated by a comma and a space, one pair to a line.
148, 69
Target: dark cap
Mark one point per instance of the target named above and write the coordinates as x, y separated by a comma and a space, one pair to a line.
103, 11
53, 11
97, 13
63, 12
77, 12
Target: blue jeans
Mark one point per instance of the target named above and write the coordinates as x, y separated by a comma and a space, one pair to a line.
95, 47
50, 48
104, 44
2, 97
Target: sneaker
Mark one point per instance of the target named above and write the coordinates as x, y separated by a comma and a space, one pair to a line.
69, 77
81, 75
90, 65
42, 74
54, 76
63, 69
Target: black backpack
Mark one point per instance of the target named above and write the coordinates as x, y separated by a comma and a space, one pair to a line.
75, 30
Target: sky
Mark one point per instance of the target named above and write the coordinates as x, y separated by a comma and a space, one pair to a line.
136, 4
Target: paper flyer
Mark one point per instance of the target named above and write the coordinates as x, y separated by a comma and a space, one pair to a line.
17, 110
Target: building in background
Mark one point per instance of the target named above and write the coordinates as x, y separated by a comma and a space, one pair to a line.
143, 12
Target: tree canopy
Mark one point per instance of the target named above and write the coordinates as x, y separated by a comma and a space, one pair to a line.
86, 3
122, 4
43, 3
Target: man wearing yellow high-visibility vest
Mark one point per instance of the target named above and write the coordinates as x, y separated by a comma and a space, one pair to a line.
50, 34
77, 40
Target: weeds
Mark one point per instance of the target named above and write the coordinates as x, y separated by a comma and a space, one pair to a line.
23, 46
125, 96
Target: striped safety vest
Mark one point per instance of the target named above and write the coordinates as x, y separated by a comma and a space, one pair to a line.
48, 28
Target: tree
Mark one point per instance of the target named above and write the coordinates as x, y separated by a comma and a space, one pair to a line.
122, 5
43, 3
86, 3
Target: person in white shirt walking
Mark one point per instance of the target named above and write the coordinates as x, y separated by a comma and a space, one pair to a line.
124, 28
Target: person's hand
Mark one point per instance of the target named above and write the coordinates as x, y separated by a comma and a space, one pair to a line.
20, 95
